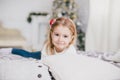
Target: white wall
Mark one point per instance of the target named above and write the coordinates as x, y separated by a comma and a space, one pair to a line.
14, 13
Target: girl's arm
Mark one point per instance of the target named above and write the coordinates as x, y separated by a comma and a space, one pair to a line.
24, 53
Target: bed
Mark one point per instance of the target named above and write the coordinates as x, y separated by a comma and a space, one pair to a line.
81, 66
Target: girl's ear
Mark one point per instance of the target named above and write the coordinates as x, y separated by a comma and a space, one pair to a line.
72, 37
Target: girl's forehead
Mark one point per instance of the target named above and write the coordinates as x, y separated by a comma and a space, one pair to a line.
62, 29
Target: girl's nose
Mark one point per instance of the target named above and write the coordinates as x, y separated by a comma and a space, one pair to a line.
60, 38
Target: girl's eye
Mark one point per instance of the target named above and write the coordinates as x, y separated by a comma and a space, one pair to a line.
56, 34
65, 36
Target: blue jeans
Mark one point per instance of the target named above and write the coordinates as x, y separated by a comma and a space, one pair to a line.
24, 53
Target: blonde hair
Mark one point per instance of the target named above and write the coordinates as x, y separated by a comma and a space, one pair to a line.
65, 22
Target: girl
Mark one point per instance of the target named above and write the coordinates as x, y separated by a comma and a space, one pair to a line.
61, 39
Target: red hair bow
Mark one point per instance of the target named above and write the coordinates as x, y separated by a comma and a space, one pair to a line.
52, 21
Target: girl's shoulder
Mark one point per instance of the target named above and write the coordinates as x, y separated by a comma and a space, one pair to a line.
71, 49
44, 51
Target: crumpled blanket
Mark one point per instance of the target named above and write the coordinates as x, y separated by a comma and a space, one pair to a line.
101, 55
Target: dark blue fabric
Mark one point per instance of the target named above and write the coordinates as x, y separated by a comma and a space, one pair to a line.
24, 53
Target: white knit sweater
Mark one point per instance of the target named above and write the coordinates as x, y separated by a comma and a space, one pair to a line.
70, 50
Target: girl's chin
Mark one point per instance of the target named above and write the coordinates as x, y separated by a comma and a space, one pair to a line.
60, 49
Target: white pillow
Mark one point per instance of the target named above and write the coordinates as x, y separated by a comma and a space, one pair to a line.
78, 67
115, 57
23, 70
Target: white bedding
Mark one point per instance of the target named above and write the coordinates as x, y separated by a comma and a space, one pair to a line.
63, 67
78, 67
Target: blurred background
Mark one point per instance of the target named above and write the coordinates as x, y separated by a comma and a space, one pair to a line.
24, 23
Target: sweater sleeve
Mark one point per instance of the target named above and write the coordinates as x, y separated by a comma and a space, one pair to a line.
24, 53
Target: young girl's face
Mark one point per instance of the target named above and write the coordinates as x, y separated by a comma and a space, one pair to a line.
61, 37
